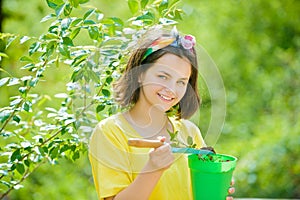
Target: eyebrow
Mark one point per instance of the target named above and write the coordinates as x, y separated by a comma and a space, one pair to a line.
167, 74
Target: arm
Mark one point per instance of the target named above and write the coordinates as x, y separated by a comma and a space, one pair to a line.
160, 159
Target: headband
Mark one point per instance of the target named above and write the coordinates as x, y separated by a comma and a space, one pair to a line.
187, 42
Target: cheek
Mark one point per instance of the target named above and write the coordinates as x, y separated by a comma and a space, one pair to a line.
182, 91
151, 88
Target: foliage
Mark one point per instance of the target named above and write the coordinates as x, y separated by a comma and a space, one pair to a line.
34, 133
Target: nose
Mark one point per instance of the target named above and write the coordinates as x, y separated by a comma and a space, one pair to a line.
170, 88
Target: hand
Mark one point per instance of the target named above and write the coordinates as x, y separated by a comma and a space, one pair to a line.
231, 190
160, 158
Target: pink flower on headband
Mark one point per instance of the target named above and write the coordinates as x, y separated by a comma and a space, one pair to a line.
188, 41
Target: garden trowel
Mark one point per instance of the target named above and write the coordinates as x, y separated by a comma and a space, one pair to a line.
145, 143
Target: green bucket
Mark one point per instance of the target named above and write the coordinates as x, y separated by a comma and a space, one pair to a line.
211, 180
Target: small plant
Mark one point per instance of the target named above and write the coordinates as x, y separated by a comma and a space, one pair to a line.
176, 143
212, 158
190, 144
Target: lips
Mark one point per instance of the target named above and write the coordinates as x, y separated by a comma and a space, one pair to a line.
165, 98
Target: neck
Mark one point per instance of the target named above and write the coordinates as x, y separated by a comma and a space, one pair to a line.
152, 117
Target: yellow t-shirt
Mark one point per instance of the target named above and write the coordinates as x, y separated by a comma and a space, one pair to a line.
115, 164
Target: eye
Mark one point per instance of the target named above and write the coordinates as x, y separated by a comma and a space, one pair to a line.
163, 77
181, 83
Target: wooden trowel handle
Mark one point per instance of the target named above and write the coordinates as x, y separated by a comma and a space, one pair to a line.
137, 142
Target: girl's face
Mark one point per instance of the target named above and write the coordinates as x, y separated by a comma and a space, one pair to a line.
164, 84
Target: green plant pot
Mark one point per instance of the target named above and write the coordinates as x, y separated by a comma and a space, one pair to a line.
211, 180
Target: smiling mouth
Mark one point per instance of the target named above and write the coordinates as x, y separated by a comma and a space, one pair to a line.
165, 98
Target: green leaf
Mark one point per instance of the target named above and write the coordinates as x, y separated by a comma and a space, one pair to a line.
64, 148
13, 167
20, 168
93, 75
109, 80
144, 3
33, 82
117, 21
10, 40
4, 115
78, 60
74, 33
15, 102
13, 81
64, 50
54, 3
89, 22
68, 9
93, 32
29, 65
67, 41
3, 118
65, 23
16, 155
61, 95
190, 140
74, 3
46, 18
34, 47
174, 2
16, 118
133, 6
24, 39
166, 21
26, 59
59, 9
3, 55
54, 152
3, 81
83, 1
27, 106
77, 75
148, 17
41, 151
27, 162
50, 36
163, 5
22, 89
7, 184
89, 13
105, 92
100, 108
51, 46
177, 14
76, 22
76, 155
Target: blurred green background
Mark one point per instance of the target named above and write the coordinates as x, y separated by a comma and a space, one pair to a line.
256, 46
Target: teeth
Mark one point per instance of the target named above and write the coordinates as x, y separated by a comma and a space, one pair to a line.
166, 98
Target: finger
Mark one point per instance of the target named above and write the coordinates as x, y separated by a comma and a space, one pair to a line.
232, 182
229, 198
161, 138
164, 148
231, 190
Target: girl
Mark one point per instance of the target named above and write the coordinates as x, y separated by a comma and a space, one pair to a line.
159, 88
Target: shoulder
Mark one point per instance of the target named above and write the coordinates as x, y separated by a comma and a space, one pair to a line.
186, 125
109, 131
109, 122
109, 127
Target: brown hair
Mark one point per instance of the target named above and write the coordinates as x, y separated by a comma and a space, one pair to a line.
127, 88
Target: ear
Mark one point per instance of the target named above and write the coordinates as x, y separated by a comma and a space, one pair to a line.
140, 78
